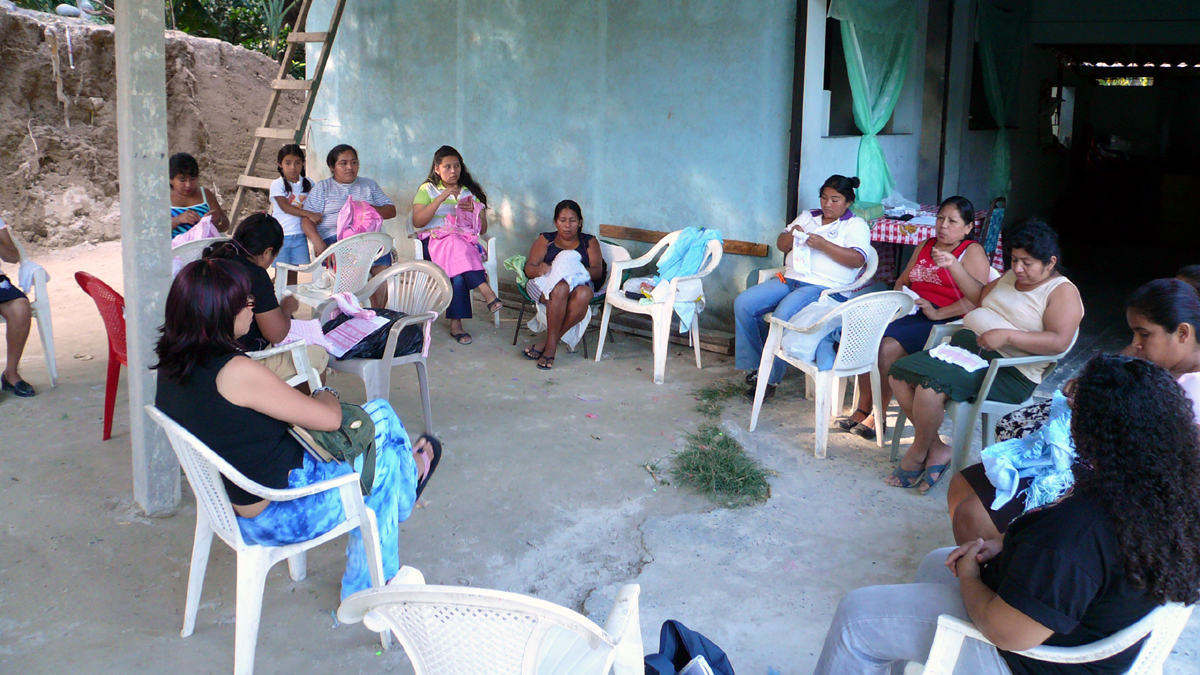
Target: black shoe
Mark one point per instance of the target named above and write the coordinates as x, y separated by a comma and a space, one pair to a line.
766, 395
865, 431
752, 377
21, 388
848, 423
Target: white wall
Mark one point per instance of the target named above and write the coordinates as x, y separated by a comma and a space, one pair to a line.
656, 115
822, 156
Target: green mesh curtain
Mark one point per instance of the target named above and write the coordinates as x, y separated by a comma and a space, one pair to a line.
1002, 36
877, 38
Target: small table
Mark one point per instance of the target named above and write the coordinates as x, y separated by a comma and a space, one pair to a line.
889, 234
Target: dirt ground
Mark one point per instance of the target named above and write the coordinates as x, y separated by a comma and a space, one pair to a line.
58, 121
534, 495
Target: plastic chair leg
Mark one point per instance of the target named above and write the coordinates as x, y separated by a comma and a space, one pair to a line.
696, 339
877, 406
252, 570
110, 393
662, 338
824, 382
46, 331
774, 337
200, 551
494, 282
987, 429
298, 566
426, 408
838, 404
964, 428
377, 380
603, 330
897, 432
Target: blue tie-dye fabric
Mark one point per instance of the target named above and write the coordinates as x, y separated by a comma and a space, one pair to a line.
391, 498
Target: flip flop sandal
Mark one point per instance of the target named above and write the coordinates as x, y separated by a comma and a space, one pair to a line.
463, 338
430, 456
908, 479
495, 305
531, 353
548, 365
941, 470
848, 423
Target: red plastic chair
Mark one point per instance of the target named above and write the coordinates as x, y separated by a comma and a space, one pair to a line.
112, 310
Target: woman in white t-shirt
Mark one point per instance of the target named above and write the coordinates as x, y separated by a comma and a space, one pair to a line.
825, 247
288, 193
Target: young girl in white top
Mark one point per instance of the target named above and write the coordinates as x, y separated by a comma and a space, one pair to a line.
288, 193
825, 247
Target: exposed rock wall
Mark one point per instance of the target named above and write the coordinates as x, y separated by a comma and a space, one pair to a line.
58, 125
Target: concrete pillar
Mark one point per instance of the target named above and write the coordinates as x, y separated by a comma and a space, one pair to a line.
145, 237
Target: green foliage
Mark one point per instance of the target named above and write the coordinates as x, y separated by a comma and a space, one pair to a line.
718, 467
38, 5
712, 398
260, 25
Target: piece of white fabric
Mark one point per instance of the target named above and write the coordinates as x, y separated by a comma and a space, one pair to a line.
25, 274
803, 346
568, 267
1191, 386
959, 357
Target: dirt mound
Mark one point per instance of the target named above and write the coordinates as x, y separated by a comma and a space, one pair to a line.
58, 124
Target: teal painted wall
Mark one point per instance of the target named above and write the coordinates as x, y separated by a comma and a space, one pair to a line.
654, 115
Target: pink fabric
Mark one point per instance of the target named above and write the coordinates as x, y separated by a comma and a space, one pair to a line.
454, 247
357, 217
204, 229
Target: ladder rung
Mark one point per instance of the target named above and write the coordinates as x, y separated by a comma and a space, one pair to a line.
308, 37
279, 134
291, 84
255, 182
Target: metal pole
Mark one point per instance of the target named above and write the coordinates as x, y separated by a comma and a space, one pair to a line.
145, 237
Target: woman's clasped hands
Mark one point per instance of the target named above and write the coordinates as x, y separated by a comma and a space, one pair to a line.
965, 560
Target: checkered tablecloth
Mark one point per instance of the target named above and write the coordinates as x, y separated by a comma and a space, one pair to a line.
888, 234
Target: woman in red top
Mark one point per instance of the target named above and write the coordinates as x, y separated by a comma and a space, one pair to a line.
939, 301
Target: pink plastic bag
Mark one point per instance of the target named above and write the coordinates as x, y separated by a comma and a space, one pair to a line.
203, 229
357, 218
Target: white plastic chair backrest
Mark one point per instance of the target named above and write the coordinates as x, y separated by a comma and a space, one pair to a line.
353, 257
447, 630
419, 286
864, 276
613, 253
192, 250
864, 319
1163, 625
713, 251
203, 469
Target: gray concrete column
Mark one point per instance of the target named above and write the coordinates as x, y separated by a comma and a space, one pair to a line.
145, 236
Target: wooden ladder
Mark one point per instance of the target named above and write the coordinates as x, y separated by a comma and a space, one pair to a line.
248, 179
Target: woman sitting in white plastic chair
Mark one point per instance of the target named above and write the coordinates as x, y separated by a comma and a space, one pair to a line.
242, 411
1125, 540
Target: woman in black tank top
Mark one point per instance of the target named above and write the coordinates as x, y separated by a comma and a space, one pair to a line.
565, 306
242, 412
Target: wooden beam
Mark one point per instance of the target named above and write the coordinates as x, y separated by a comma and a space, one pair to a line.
297, 85
308, 37
255, 182
652, 236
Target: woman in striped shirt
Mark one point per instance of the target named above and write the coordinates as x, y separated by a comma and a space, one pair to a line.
189, 201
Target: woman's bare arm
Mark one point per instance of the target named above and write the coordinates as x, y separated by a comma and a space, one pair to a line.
535, 265
249, 384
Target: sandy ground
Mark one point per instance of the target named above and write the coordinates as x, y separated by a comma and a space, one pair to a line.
534, 495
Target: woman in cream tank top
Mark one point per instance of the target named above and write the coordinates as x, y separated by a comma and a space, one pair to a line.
1031, 310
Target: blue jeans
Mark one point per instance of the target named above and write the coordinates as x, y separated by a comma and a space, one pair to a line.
751, 304
879, 627
392, 497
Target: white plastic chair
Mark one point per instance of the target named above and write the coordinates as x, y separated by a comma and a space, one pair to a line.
214, 514
421, 290
1163, 626
299, 351
489, 266
659, 312
963, 414
864, 278
39, 303
863, 319
352, 257
451, 630
192, 250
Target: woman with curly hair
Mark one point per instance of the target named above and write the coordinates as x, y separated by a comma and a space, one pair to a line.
1164, 316
1125, 540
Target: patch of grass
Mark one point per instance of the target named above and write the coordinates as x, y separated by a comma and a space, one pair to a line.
718, 467
712, 398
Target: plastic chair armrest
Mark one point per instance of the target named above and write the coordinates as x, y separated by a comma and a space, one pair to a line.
801, 329
765, 275
292, 493
940, 332
389, 349
277, 349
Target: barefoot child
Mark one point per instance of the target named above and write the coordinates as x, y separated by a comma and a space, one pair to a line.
288, 193
189, 201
